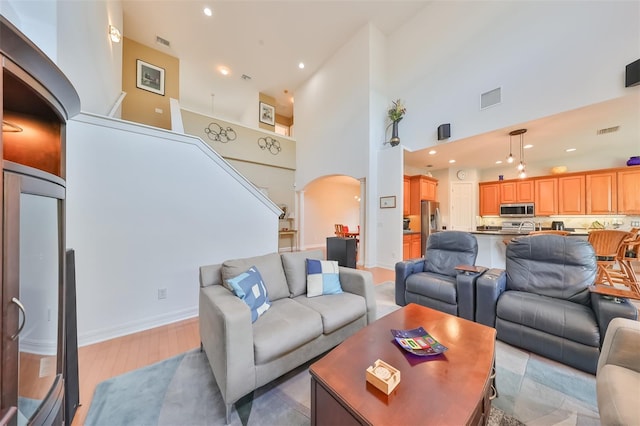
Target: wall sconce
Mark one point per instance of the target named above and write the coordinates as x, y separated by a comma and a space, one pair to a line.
114, 34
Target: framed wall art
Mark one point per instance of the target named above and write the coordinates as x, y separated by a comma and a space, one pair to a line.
388, 202
267, 114
149, 77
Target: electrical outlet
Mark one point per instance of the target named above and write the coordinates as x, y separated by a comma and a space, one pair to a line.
162, 293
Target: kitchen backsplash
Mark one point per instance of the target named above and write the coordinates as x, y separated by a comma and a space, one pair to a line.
576, 222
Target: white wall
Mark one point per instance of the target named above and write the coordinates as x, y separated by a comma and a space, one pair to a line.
145, 209
548, 57
37, 20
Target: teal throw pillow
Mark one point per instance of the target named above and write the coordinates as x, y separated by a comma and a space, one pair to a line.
323, 277
249, 287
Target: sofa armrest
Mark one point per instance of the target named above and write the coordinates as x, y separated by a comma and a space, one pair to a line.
608, 308
621, 345
403, 270
466, 289
489, 287
360, 282
226, 334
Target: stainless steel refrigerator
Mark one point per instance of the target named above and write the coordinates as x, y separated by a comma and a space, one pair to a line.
429, 221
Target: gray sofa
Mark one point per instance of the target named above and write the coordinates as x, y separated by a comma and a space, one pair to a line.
618, 376
433, 281
245, 355
541, 302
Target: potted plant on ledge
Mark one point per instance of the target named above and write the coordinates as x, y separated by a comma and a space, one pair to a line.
395, 113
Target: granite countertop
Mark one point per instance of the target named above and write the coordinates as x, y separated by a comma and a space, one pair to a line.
498, 231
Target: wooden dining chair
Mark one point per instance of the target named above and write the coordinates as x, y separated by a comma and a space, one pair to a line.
628, 253
339, 230
607, 244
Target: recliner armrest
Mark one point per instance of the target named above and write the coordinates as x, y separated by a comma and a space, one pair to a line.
607, 308
403, 270
489, 287
360, 282
466, 289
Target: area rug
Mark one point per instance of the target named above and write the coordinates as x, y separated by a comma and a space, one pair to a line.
182, 390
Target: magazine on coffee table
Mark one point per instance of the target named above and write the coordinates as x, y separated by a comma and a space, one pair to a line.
418, 342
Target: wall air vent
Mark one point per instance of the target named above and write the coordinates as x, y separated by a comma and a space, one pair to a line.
162, 41
491, 98
608, 130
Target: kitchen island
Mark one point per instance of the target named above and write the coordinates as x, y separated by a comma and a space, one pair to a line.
492, 245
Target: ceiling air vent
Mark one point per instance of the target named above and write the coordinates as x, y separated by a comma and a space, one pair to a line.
491, 98
608, 130
162, 41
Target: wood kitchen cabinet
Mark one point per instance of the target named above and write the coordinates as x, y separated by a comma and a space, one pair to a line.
489, 199
521, 191
546, 196
421, 188
571, 195
628, 182
601, 193
406, 194
411, 246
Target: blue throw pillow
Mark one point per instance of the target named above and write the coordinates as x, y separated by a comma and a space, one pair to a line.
249, 287
323, 277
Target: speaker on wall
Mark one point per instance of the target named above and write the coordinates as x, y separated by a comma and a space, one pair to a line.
632, 77
444, 131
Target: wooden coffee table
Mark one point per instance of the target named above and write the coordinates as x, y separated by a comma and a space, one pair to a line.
454, 388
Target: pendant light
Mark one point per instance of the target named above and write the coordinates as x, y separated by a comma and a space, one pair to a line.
510, 157
521, 165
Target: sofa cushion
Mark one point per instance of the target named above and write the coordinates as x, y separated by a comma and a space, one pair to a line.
617, 391
295, 269
286, 326
336, 310
323, 277
249, 287
433, 286
572, 321
270, 267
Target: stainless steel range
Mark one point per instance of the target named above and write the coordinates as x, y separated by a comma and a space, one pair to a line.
519, 226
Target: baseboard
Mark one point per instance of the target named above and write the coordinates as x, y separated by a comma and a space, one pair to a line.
120, 330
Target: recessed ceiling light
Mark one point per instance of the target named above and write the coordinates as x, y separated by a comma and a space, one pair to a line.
527, 146
499, 162
301, 65
452, 161
223, 70
207, 11
433, 151
570, 149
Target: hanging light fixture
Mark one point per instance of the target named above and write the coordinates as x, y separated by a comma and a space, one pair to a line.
510, 157
521, 165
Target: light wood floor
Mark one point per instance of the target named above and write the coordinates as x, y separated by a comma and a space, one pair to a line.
110, 358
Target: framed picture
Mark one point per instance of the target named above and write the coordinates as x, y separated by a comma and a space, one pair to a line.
267, 114
388, 202
149, 77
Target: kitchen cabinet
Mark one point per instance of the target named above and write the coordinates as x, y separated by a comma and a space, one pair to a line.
571, 195
411, 246
406, 194
421, 188
628, 182
489, 199
546, 196
521, 191
601, 193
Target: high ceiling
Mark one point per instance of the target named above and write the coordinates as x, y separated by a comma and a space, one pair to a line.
265, 40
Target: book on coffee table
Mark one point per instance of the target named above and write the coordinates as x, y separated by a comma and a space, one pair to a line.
418, 342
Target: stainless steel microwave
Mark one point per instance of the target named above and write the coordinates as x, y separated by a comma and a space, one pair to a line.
517, 210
